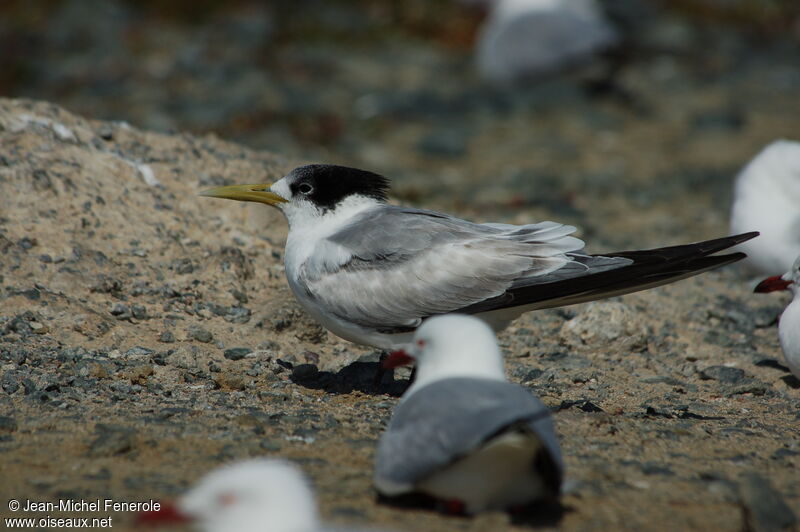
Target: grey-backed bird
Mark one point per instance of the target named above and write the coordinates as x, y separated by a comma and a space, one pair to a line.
462, 434
372, 272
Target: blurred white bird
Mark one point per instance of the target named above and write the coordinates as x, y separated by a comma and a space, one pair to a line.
462, 434
767, 199
789, 326
530, 38
257, 495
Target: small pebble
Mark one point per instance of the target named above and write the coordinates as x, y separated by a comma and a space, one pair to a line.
201, 335
111, 440
8, 424
237, 353
723, 374
105, 132
121, 311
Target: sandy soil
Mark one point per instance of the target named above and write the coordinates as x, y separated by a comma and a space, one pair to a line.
124, 293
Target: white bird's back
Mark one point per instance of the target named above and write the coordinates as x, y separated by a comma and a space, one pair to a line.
767, 199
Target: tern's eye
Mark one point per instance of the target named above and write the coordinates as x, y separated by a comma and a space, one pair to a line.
305, 188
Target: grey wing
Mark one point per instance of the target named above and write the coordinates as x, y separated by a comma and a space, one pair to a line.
393, 266
447, 420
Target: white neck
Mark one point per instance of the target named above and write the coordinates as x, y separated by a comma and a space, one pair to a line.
303, 216
432, 368
308, 226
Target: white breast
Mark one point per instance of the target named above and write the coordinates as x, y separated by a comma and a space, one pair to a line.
789, 333
308, 252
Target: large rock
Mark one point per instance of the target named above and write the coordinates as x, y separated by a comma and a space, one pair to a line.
606, 325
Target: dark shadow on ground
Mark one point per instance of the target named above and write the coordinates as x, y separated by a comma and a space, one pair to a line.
534, 515
791, 381
359, 376
539, 515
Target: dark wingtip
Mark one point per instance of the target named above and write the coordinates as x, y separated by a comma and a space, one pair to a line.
744, 237
686, 251
733, 257
702, 264
718, 244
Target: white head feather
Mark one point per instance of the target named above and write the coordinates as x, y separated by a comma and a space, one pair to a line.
455, 345
258, 494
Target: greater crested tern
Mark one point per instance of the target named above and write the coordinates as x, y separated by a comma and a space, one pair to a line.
372, 272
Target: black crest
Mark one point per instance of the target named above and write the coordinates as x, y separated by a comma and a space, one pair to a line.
327, 184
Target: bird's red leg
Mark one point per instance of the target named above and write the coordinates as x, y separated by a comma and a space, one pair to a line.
454, 507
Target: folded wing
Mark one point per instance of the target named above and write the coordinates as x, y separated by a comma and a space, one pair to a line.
394, 266
451, 418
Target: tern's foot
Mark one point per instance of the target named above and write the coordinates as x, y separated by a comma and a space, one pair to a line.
453, 507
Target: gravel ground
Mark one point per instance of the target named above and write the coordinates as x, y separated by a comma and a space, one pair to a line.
148, 335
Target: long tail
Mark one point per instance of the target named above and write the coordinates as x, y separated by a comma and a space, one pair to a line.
650, 268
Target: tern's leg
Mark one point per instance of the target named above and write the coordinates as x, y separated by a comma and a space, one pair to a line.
453, 507
379, 372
